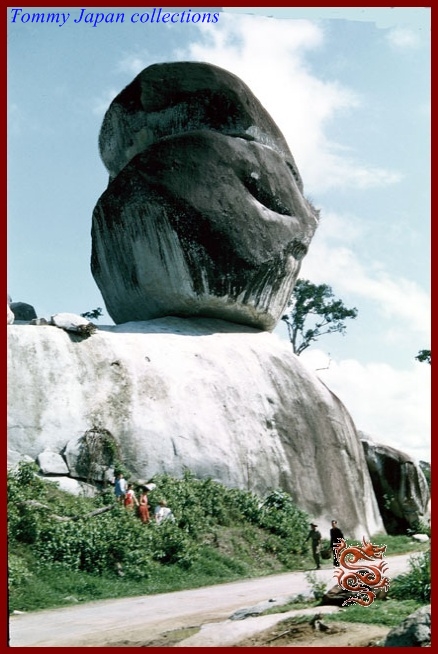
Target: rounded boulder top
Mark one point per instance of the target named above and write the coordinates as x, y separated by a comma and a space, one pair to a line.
171, 98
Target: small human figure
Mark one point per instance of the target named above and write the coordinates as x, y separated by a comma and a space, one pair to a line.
335, 533
162, 512
120, 487
143, 507
315, 538
130, 498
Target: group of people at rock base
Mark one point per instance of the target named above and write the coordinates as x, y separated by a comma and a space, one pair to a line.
125, 494
315, 539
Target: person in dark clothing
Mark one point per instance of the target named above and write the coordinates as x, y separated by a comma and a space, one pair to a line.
335, 533
315, 538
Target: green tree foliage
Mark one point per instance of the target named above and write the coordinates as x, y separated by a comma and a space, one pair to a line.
317, 304
424, 355
94, 314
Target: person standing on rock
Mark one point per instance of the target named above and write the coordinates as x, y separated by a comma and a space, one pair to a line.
120, 487
335, 534
143, 507
315, 539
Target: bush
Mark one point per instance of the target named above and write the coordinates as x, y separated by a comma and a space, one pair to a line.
18, 571
227, 532
416, 583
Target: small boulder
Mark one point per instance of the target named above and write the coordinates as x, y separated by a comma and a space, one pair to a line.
52, 463
73, 486
22, 311
335, 596
421, 538
71, 322
414, 631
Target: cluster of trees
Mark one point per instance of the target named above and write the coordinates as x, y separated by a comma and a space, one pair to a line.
313, 311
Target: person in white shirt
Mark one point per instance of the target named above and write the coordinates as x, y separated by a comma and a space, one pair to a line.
162, 512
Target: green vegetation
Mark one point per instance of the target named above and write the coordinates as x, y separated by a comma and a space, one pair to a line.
62, 551
94, 314
416, 583
395, 544
386, 613
424, 355
314, 311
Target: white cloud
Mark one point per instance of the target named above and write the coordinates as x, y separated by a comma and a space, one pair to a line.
332, 262
393, 406
403, 38
269, 55
133, 63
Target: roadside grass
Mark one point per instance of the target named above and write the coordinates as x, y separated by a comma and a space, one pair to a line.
388, 613
402, 544
59, 556
51, 586
407, 592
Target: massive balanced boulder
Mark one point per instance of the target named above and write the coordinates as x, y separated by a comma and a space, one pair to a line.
204, 214
184, 96
224, 401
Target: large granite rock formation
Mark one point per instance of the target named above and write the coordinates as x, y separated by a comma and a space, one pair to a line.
204, 214
399, 484
224, 401
172, 98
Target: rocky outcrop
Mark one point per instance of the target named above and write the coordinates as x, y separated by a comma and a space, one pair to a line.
399, 484
73, 486
204, 214
414, 631
168, 99
224, 401
51, 463
336, 596
71, 322
22, 311
11, 316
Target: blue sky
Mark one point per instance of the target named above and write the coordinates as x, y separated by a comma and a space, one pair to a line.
349, 88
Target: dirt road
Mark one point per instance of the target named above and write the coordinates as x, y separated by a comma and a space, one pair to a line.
145, 619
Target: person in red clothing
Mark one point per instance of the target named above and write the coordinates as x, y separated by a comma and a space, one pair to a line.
143, 507
130, 499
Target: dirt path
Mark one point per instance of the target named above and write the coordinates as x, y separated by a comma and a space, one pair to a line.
184, 619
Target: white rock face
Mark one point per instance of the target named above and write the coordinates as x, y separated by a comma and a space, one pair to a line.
15, 458
52, 463
71, 322
11, 316
222, 400
73, 486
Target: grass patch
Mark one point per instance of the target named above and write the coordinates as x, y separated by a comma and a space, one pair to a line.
388, 613
396, 544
